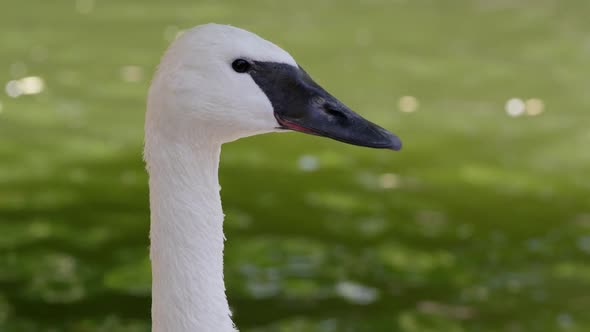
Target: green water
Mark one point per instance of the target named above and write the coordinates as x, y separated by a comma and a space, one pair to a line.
482, 223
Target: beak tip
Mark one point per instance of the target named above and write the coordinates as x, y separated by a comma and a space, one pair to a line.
395, 143
395, 147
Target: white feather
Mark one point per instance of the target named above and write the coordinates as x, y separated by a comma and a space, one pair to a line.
196, 103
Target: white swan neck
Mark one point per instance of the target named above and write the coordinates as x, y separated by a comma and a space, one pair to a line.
188, 292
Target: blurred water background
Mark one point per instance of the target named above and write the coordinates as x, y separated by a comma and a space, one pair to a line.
481, 223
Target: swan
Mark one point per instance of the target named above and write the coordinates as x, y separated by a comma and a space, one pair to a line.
215, 84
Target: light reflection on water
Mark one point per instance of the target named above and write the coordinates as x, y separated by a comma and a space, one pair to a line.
357, 293
408, 104
132, 73
534, 106
308, 163
515, 107
30, 85
56, 279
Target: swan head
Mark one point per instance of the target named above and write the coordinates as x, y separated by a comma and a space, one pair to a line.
224, 83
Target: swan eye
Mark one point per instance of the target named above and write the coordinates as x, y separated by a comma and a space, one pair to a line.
241, 65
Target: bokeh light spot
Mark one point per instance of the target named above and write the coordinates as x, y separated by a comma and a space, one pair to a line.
12, 89
356, 293
389, 181
31, 85
534, 106
308, 163
565, 320
408, 104
515, 107
132, 73
584, 244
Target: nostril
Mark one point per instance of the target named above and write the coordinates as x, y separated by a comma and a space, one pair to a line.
333, 111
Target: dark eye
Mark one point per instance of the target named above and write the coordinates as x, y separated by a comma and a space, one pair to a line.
240, 65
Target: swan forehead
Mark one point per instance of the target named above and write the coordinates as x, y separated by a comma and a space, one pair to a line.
227, 43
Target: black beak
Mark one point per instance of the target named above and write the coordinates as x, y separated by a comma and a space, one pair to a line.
302, 105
